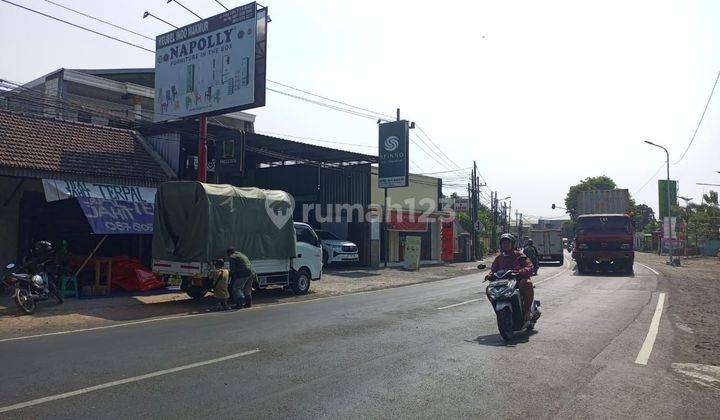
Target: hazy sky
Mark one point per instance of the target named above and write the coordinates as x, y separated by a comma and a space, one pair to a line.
539, 93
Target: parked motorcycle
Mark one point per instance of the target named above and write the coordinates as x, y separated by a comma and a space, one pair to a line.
507, 302
29, 289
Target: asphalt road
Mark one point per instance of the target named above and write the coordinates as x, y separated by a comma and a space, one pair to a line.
388, 353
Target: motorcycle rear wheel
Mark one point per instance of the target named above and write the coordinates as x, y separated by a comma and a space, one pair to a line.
24, 301
504, 321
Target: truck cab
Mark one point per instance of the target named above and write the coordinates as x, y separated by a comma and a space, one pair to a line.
604, 241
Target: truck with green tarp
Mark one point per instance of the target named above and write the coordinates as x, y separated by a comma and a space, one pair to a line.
195, 223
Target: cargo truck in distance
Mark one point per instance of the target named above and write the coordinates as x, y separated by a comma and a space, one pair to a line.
549, 243
196, 223
604, 232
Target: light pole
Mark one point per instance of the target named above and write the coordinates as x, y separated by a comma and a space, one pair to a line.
668, 198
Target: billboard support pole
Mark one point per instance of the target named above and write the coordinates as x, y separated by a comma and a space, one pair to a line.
202, 149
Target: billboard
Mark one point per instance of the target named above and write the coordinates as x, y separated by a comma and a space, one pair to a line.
462, 204
213, 66
662, 196
394, 154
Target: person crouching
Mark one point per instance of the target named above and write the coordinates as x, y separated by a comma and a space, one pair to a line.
220, 277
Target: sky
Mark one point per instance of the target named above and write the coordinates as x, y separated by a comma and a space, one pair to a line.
539, 94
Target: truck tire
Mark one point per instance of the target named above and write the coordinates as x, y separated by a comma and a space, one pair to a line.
196, 292
580, 267
300, 283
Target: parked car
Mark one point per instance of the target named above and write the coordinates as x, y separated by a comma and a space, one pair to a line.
336, 250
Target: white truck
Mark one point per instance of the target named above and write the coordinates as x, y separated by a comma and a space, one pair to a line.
549, 243
196, 223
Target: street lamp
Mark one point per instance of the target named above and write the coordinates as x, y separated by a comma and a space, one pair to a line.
668, 197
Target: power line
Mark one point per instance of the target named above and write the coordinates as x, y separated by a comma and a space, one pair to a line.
183, 6
100, 20
649, 179
78, 26
451, 170
702, 116
331, 100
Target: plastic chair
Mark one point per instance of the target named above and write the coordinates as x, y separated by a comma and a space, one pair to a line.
68, 286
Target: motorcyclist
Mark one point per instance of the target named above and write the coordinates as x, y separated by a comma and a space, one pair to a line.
531, 252
513, 259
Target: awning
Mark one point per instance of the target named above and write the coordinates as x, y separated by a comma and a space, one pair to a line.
118, 217
407, 221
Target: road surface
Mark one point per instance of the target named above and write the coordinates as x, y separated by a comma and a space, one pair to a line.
427, 350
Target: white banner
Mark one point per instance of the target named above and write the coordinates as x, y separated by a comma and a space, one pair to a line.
56, 189
669, 227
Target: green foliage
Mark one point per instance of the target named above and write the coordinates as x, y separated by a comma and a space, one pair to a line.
643, 216
651, 226
703, 220
591, 183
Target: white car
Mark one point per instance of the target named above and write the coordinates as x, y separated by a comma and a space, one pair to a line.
336, 250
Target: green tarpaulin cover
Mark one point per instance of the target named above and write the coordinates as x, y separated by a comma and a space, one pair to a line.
199, 222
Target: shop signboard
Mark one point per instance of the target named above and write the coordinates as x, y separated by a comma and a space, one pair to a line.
213, 66
230, 155
117, 217
462, 204
56, 189
663, 196
393, 154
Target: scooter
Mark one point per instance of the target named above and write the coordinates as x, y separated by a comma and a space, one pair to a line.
28, 289
506, 300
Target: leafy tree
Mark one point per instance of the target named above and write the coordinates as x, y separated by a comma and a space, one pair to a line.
591, 183
644, 214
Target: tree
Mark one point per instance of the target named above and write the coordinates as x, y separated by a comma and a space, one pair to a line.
590, 183
644, 214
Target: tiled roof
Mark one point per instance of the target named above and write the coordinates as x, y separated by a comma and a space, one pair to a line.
58, 148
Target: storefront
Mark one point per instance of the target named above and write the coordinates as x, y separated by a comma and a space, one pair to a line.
89, 190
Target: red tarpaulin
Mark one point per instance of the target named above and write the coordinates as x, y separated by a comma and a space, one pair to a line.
130, 275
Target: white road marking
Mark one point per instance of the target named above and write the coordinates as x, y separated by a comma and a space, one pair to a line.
656, 273
122, 382
644, 355
458, 304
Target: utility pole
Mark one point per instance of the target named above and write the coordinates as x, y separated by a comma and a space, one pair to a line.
493, 218
504, 217
474, 209
520, 229
509, 217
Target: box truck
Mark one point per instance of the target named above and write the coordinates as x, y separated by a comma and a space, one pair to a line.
195, 224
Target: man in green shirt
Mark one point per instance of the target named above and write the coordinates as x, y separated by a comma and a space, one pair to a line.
242, 277
532, 253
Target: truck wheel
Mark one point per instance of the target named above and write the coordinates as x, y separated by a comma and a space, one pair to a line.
196, 292
300, 284
580, 268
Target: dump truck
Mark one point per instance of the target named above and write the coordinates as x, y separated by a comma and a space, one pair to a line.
195, 224
604, 232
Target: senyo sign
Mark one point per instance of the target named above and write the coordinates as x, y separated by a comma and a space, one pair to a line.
394, 154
